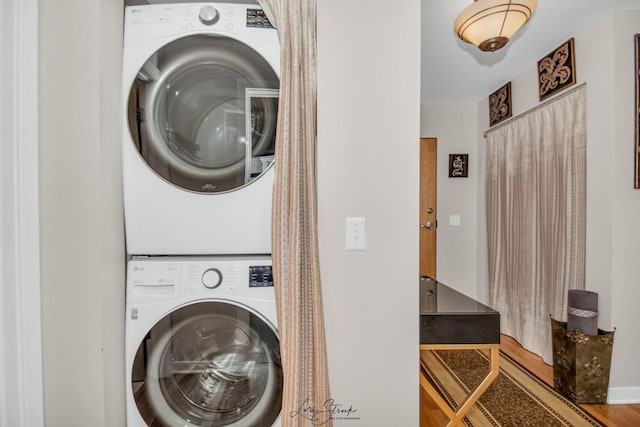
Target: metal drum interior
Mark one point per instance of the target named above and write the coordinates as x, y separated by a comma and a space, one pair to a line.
202, 113
210, 364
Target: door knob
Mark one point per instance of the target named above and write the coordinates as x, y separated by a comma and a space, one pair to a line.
429, 210
428, 225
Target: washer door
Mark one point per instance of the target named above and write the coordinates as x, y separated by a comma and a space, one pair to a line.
209, 364
202, 113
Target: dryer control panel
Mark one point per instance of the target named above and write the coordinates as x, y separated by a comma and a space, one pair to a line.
155, 21
256, 18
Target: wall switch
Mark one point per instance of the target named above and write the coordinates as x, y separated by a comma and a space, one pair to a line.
355, 237
454, 220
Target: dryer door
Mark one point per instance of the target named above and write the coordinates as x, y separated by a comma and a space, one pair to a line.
209, 364
202, 113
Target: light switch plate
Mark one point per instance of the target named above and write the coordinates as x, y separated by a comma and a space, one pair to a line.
355, 236
454, 220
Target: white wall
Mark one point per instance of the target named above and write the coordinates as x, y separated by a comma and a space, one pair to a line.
594, 60
625, 213
82, 247
457, 252
604, 60
368, 164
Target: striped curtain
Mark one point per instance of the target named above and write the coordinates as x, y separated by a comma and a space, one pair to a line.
536, 218
294, 226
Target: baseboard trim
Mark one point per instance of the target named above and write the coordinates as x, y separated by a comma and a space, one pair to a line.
623, 395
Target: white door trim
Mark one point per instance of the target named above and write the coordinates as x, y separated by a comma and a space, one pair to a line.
21, 391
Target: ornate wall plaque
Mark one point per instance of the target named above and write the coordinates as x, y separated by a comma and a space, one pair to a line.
458, 165
500, 105
557, 70
637, 114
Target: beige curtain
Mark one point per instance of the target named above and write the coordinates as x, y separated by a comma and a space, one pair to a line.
536, 202
294, 227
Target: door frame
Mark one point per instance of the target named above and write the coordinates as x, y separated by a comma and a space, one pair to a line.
21, 393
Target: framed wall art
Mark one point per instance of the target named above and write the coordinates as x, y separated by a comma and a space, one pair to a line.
458, 165
500, 105
557, 70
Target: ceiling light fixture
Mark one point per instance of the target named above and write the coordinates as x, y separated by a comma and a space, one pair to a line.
489, 24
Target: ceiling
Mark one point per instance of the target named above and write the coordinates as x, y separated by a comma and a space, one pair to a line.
455, 72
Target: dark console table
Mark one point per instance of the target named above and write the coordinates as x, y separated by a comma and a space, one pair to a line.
450, 320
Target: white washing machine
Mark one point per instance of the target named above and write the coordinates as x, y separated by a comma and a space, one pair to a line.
202, 348
199, 103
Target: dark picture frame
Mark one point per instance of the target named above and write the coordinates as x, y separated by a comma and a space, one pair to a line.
500, 105
636, 183
458, 165
557, 70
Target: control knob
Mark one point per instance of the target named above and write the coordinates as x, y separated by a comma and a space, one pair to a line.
212, 278
208, 15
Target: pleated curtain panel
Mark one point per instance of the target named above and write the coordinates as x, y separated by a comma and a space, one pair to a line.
296, 267
536, 217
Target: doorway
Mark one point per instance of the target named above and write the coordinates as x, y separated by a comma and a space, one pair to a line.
428, 206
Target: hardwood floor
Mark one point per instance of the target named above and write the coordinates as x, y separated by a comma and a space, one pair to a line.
610, 415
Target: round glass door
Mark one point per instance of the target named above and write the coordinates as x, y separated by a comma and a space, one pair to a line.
202, 113
209, 364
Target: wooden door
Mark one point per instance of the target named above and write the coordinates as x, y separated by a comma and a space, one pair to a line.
428, 212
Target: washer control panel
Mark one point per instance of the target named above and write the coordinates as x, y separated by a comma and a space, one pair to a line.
260, 276
165, 278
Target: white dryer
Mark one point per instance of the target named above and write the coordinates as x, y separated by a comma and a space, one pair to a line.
199, 104
202, 348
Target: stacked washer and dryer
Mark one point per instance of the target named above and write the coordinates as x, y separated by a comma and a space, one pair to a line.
199, 104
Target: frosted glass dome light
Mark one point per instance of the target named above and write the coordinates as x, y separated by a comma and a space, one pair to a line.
489, 24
